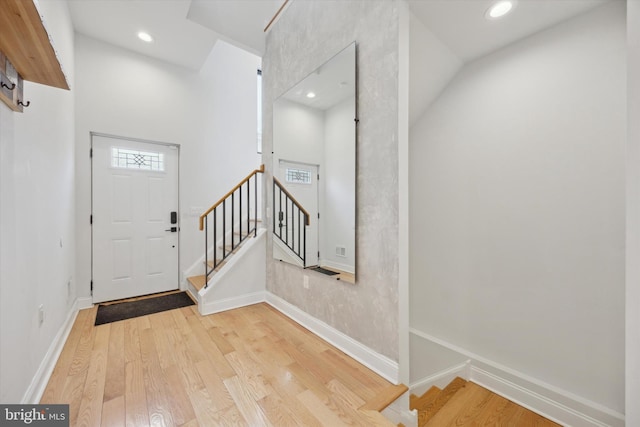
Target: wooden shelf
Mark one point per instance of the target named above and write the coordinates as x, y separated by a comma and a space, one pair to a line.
25, 41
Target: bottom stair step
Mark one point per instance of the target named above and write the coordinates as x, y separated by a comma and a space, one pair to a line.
197, 282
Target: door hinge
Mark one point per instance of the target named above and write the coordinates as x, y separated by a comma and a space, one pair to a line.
318, 177
318, 215
92, 287
318, 254
91, 219
90, 152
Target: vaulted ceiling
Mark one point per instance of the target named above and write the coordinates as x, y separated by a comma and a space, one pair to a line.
185, 31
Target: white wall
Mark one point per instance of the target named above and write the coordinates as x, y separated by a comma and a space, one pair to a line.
211, 114
432, 65
338, 215
517, 208
300, 131
633, 217
37, 249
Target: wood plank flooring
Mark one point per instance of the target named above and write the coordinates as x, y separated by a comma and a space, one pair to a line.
247, 367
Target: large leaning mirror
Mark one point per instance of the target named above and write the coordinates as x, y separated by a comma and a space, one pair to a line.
314, 169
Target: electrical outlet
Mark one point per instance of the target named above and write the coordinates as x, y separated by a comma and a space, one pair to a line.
305, 282
41, 314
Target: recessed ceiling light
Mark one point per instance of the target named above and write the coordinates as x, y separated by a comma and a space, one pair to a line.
145, 37
499, 9
311, 95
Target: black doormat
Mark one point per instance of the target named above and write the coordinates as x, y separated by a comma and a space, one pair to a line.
128, 310
324, 271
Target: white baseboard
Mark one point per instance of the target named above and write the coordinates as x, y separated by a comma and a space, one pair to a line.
231, 303
441, 379
552, 409
380, 364
41, 378
84, 302
545, 399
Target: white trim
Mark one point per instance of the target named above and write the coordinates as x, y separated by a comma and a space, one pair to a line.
84, 303
377, 362
231, 303
545, 399
41, 378
442, 378
538, 403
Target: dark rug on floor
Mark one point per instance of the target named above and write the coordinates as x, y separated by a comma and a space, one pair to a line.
324, 271
128, 310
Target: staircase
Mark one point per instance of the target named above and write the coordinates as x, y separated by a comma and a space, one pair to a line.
434, 400
222, 257
464, 403
231, 229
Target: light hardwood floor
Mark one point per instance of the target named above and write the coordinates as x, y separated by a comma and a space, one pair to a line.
250, 366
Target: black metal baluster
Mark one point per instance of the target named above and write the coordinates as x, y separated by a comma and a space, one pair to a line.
293, 224
206, 250
299, 213
240, 213
215, 239
224, 229
304, 249
233, 209
249, 205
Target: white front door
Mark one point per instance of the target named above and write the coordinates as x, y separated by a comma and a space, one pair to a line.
135, 232
301, 180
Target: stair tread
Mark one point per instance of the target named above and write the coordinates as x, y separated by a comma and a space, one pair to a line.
466, 403
219, 266
427, 398
385, 398
428, 411
198, 282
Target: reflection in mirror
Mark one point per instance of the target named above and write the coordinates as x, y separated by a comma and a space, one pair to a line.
314, 162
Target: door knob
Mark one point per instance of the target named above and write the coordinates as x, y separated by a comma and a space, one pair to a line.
172, 229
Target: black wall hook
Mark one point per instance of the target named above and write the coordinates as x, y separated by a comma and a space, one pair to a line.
12, 87
22, 104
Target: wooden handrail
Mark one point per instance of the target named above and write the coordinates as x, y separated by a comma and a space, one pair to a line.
293, 199
219, 202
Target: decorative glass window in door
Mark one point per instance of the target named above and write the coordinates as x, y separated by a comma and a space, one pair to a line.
134, 159
298, 176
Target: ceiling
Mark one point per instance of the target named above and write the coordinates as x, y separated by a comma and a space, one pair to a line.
462, 27
184, 31
332, 82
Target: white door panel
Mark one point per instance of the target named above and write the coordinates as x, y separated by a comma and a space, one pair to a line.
133, 253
